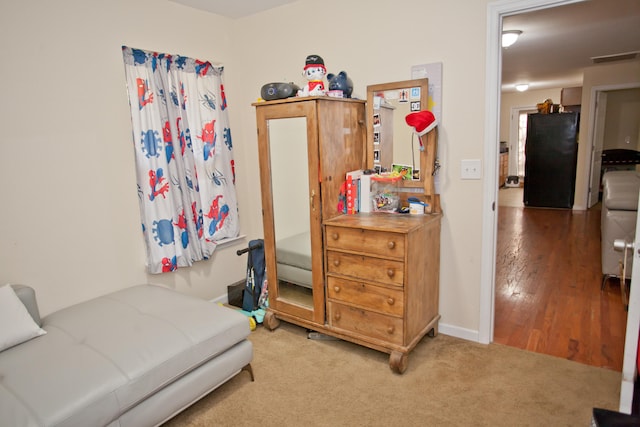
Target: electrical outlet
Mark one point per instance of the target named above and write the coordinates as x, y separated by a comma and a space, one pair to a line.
470, 169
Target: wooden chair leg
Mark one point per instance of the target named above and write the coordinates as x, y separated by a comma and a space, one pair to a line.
249, 369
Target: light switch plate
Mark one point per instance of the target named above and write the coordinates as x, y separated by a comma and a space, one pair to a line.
470, 169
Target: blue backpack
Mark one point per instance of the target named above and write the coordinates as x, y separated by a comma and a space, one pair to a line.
255, 275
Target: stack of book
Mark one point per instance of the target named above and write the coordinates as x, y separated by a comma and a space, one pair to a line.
358, 192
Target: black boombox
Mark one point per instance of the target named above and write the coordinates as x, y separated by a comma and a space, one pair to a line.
272, 91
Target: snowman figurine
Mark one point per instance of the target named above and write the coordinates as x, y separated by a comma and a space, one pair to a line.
314, 72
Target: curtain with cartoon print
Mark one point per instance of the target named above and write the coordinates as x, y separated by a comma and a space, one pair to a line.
183, 156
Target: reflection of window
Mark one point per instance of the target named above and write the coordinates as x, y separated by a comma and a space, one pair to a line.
522, 139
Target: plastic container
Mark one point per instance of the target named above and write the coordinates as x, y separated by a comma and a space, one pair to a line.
385, 195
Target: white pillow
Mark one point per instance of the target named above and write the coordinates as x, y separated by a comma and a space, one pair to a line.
16, 324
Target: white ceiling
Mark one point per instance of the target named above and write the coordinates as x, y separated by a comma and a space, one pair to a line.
234, 8
556, 43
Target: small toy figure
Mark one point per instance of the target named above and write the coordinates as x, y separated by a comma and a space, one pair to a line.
314, 71
341, 82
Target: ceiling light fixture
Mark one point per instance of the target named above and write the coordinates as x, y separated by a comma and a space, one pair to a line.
522, 87
509, 37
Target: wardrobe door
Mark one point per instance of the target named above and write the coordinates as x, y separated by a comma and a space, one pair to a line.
289, 170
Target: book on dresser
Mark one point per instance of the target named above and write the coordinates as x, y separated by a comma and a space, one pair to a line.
358, 184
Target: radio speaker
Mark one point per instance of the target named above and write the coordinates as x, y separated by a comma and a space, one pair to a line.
273, 91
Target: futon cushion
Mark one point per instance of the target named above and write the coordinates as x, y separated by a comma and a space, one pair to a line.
101, 357
295, 250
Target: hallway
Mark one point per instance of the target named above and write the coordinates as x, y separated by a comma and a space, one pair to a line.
548, 298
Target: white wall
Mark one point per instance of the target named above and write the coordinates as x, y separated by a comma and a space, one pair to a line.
621, 74
601, 76
519, 100
528, 98
70, 224
378, 42
622, 121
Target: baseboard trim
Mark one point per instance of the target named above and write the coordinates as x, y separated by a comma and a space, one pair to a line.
454, 331
458, 332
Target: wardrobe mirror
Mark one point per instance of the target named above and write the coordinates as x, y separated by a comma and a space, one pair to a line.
290, 188
392, 144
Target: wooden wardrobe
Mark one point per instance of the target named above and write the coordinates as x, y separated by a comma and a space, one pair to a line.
371, 279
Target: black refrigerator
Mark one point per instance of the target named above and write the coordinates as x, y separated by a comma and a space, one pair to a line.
551, 153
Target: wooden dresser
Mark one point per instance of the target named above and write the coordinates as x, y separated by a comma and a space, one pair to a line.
371, 279
382, 276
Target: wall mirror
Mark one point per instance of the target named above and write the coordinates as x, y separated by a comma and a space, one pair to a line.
291, 227
391, 143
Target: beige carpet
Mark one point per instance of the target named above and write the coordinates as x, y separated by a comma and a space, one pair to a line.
449, 382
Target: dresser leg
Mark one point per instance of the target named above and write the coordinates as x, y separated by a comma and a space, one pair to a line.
271, 321
398, 362
433, 332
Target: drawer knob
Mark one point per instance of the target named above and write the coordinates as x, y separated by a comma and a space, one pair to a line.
391, 244
336, 288
390, 329
334, 236
391, 272
336, 262
336, 316
390, 301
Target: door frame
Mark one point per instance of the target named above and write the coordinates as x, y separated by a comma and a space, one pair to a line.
599, 107
629, 363
594, 167
496, 10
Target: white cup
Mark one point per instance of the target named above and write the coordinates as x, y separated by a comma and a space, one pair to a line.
416, 208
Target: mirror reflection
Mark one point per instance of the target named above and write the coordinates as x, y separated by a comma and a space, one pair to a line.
290, 187
396, 142
392, 143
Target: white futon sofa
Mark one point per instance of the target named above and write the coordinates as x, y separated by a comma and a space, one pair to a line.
134, 357
618, 219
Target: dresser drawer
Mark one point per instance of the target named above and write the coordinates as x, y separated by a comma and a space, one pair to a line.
368, 323
372, 242
366, 268
372, 297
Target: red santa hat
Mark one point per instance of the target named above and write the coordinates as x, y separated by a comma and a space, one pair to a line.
421, 121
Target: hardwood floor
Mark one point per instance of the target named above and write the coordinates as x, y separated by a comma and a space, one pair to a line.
548, 298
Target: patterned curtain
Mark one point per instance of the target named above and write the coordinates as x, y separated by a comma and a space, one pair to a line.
184, 157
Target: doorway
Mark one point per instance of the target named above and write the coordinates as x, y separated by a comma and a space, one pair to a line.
619, 106
495, 13
490, 217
